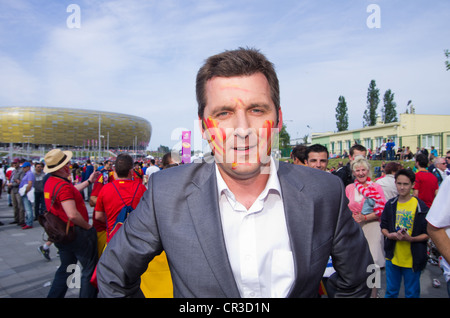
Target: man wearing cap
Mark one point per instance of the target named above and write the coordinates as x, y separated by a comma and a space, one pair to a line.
26, 191
69, 206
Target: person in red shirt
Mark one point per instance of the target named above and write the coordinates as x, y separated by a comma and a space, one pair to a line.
128, 190
69, 206
114, 195
105, 176
426, 184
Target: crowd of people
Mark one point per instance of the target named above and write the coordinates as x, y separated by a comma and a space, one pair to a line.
375, 205
239, 228
391, 208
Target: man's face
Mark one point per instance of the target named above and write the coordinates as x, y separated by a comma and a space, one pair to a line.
318, 160
239, 122
440, 164
403, 185
38, 168
357, 153
108, 165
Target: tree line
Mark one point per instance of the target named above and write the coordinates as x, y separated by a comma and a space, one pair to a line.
388, 112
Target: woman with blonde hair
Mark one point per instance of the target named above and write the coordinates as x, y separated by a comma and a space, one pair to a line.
366, 201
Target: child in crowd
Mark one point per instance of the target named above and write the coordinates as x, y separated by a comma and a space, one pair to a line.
404, 225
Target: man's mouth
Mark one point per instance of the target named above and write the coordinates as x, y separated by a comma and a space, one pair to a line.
243, 148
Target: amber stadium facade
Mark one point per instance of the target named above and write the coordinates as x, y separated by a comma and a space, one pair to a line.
51, 127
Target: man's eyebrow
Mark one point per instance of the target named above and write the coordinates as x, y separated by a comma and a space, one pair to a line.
230, 107
222, 108
262, 105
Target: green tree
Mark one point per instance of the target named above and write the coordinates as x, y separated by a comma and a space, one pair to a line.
305, 139
389, 113
285, 138
447, 63
410, 108
163, 149
373, 98
341, 114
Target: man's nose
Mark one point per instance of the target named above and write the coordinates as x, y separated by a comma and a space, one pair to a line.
242, 125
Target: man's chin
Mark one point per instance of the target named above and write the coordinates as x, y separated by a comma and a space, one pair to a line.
244, 170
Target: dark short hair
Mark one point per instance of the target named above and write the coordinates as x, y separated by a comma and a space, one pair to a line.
316, 148
124, 163
357, 147
406, 172
299, 152
39, 164
422, 160
240, 62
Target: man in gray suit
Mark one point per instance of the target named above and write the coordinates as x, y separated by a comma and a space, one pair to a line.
243, 225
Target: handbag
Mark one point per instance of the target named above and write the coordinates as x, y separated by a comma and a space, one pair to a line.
57, 230
368, 206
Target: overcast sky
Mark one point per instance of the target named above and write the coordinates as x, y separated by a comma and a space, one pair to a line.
141, 57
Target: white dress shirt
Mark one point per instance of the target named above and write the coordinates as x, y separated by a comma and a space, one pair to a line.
257, 240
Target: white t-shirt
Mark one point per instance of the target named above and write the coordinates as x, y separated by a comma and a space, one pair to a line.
439, 216
151, 170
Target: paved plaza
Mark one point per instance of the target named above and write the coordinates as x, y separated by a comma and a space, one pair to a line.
24, 273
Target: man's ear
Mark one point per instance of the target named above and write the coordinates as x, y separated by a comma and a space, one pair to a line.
280, 119
202, 128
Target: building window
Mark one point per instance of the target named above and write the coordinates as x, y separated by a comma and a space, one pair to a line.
368, 143
378, 142
348, 144
394, 138
431, 140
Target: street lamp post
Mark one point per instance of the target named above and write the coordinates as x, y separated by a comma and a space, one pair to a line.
28, 145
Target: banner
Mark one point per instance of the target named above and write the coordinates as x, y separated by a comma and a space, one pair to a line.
186, 147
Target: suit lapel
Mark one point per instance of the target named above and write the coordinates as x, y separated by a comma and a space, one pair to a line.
299, 211
203, 205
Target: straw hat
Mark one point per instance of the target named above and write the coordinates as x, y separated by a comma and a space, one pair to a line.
55, 159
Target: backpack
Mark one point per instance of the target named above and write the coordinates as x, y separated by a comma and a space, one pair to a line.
123, 214
57, 230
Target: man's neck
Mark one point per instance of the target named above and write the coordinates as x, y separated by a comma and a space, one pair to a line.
404, 199
423, 169
246, 191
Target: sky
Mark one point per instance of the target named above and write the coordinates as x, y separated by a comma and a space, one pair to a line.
141, 57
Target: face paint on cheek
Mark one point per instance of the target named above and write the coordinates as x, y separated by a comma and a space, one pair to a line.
216, 136
265, 138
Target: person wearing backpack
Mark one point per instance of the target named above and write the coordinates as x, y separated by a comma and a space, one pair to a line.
65, 201
114, 202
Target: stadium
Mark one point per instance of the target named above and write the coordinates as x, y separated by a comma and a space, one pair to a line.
35, 130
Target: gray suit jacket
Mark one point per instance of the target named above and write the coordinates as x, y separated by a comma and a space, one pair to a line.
180, 215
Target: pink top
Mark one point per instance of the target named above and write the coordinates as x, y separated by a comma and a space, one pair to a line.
356, 199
